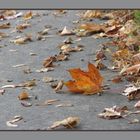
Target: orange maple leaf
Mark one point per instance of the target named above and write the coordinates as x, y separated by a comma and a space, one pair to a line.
85, 82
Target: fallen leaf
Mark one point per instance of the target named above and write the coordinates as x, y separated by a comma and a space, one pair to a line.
22, 40
100, 65
100, 55
69, 122
23, 26
48, 79
26, 104
66, 48
28, 15
2, 91
64, 105
3, 35
23, 95
29, 83
5, 25
113, 112
44, 32
8, 13
65, 31
137, 105
134, 121
92, 27
92, 14
132, 92
59, 86
135, 69
27, 71
61, 57
68, 40
48, 102
136, 58
45, 69
9, 86
117, 79
49, 62
85, 82
12, 122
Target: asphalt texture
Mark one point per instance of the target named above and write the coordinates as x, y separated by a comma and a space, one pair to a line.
85, 107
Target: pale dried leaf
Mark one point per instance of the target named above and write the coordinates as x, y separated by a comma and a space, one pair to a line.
65, 31
59, 86
69, 122
45, 69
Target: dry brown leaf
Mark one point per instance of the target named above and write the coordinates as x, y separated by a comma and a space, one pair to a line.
117, 79
28, 15
3, 35
23, 26
122, 54
92, 14
100, 65
129, 27
22, 40
113, 112
68, 40
12, 122
50, 102
49, 62
66, 48
136, 58
137, 105
5, 25
112, 30
100, 55
44, 32
85, 82
135, 69
8, 13
69, 122
132, 92
59, 86
23, 95
65, 31
92, 27
61, 57
48, 79
29, 83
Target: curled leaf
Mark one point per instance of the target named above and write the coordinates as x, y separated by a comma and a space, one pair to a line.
12, 122
59, 86
28, 15
113, 112
132, 92
5, 25
65, 31
22, 40
23, 95
69, 122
